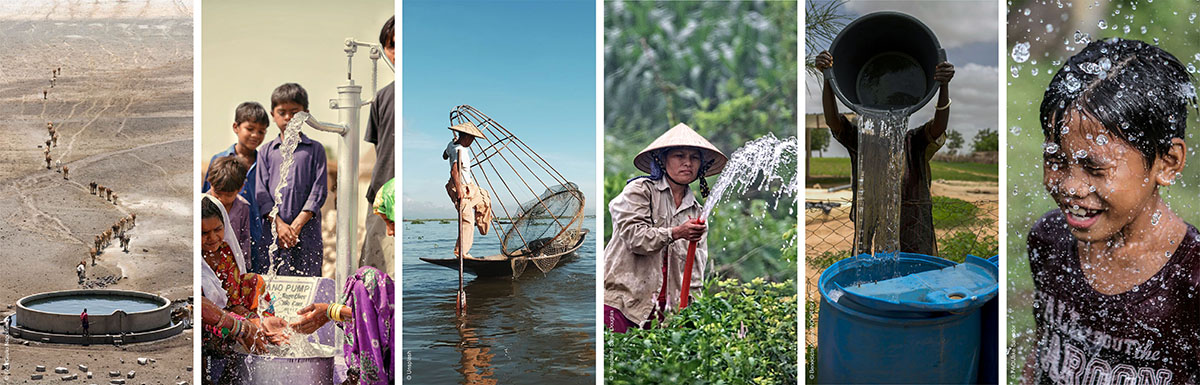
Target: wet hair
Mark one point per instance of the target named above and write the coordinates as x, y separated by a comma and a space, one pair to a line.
251, 112
289, 92
387, 35
227, 174
1138, 92
208, 209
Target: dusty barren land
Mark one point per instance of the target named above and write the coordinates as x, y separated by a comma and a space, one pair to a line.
122, 109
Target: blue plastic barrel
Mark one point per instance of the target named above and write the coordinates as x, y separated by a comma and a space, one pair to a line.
989, 360
870, 333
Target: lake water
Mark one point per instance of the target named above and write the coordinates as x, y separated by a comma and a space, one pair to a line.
539, 329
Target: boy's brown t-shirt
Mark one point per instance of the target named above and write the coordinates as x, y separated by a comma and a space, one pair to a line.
1147, 335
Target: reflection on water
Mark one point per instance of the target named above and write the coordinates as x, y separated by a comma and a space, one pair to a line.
539, 329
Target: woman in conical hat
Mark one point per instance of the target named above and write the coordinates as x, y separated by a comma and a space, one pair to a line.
652, 226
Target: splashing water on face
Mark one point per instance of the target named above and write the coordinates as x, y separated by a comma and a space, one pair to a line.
760, 163
881, 167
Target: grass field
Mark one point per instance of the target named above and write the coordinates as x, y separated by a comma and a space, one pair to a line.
834, 170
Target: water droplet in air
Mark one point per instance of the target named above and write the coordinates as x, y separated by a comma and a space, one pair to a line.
1027, 11
1155, 217
1102, 24
1143, 30
1105, 64
1082, 37
1191, 68
1016, 71
1192, 18
1101, 140
1033, 71
1020, 52
1049, 28
1081, 154
1125, 29
1015, 130
1051, 148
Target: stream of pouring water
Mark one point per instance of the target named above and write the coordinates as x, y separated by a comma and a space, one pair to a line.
759, 163
298, 344
881, 167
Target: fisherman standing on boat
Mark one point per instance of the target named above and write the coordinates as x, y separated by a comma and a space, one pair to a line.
472, 202
653, 222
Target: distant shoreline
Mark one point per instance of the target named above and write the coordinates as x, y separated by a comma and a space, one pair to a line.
423, 220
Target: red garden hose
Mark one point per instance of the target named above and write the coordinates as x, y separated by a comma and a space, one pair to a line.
687, 269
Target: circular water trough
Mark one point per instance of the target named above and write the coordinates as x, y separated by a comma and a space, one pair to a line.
114, 316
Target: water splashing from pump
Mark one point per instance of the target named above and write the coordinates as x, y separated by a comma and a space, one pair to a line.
287, 150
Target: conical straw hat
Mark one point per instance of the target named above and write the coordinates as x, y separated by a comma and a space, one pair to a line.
469, 129
683, 136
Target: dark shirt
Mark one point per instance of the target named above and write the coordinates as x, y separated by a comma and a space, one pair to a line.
916, 206
1147, 335
381, 130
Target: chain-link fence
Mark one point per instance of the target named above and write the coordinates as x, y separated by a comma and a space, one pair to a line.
961, 228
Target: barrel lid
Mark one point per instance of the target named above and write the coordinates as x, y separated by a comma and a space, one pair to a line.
957, 288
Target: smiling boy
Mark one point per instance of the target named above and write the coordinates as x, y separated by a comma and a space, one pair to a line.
1115, 269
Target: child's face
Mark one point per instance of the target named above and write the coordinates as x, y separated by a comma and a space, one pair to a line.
283, 112
226, 197
250, 134
212, 233
1100, 182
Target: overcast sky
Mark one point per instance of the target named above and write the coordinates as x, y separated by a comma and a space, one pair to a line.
969, 32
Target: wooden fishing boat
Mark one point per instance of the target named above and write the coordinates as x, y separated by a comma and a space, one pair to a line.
500, 265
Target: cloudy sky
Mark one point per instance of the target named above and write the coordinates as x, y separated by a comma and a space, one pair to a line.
969, 32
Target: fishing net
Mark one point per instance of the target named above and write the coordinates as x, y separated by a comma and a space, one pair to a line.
539, 213
547, 227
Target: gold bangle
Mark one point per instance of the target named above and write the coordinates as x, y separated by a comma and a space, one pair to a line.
335, 312
948, 101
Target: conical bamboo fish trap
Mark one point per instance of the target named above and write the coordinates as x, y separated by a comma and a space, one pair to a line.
539, 213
